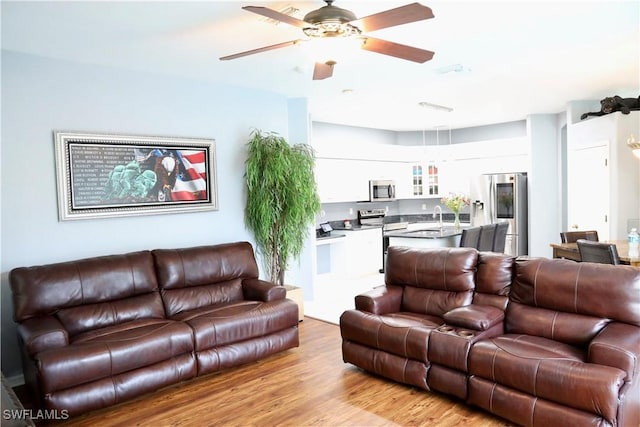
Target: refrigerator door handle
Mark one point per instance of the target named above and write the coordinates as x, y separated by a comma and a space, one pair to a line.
492, 199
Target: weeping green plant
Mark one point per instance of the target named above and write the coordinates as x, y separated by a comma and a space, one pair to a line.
282, 199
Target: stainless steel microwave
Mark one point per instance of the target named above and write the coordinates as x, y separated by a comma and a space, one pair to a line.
382, 190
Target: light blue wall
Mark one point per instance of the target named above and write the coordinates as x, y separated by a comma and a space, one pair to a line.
545, 182
41, 95
505, 130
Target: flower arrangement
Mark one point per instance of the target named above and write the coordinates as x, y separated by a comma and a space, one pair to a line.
455, 202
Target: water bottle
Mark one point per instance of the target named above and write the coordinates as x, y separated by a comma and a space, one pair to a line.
634, 242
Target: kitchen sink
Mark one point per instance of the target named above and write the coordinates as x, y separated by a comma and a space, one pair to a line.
432, 232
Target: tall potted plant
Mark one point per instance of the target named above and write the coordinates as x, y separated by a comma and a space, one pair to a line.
282, 199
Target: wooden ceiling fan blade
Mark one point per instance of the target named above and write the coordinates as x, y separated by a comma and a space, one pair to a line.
322, 70
260, 49
401, 15
398, 50
274, 14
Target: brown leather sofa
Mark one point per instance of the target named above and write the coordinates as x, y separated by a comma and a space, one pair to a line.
99, 331
541, 342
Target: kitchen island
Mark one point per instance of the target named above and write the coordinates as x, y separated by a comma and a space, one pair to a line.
433, 237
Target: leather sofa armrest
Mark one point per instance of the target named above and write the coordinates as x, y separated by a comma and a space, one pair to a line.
261, 290
617, 345
475, 316
42, 333
380, 300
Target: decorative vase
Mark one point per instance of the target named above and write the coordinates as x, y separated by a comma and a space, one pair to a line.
456, 220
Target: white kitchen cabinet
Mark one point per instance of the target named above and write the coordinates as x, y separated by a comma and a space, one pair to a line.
347, 180
419, 180
342, 180
603, 176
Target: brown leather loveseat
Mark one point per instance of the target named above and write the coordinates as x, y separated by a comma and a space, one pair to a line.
99, 331
540, 342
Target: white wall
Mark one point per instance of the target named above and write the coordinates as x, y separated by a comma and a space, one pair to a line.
41, 95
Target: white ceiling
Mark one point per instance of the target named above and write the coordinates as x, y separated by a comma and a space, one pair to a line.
518, 57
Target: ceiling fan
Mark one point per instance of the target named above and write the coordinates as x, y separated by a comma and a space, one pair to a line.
330, 21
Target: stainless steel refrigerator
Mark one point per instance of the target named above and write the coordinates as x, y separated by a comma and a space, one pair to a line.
502, 198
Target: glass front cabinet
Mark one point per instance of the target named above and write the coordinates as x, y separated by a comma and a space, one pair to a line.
425, 180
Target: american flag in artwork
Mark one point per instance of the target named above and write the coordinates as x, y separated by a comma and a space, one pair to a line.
191, 182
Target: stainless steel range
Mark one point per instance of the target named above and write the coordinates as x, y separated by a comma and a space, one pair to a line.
371, 217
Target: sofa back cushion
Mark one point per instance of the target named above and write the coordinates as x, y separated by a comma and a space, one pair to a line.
493, 279
571, 302
435, 280
191, 278
89, 293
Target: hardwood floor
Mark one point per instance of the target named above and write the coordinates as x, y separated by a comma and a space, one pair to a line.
306, 386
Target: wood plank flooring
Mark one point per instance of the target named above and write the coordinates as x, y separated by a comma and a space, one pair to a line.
306, 386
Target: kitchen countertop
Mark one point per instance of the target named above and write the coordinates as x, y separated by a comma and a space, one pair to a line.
430, 232
331, 235
357, 227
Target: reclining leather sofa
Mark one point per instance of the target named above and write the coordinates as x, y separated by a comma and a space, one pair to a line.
536, 341
99, 331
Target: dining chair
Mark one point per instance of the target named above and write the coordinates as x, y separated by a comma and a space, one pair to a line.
500, 238
573, 236
470, 237
599, 252
487, 233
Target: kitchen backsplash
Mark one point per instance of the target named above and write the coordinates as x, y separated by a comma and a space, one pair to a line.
396, 211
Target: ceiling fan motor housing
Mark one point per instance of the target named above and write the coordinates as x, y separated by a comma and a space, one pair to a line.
330, 21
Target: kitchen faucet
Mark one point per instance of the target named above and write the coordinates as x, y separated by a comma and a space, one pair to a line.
439, 210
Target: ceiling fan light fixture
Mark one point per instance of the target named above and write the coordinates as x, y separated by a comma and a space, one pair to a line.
332, 29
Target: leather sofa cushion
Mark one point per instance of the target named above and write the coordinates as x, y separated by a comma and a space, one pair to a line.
184, 300
580, 288
216, 326
549, 370
451, 270
570, 328
42, 290
433, 302
493, 279
203, 265
403, 334
110, 351
191, 278
100, 315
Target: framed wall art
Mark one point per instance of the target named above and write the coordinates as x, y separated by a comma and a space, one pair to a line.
102, 176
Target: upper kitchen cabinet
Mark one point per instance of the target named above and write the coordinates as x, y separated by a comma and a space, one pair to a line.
347, 180
343, 170
418, 180
603, 176
342, 180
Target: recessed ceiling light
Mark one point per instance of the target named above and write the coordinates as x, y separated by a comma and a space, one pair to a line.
347, 91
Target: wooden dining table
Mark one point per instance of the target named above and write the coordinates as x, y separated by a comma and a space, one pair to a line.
570, 251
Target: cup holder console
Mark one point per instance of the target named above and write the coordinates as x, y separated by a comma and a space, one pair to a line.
446, 329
